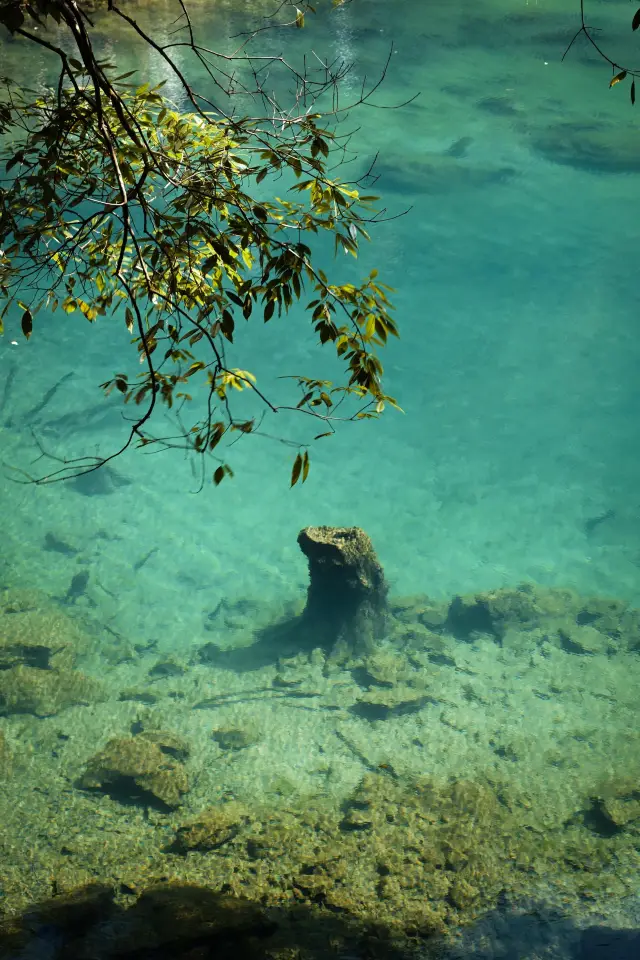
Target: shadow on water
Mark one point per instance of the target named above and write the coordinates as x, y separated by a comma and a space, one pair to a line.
186, 922
189, 922
538, 932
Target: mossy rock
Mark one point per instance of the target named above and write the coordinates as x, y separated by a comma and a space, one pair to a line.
236, 738
134, 769
523, 608
44, 693
626, 630
211, 829
606, 614
139, 695
619, 801
583, 640
383, 703
385, 668
169, 667
42, 638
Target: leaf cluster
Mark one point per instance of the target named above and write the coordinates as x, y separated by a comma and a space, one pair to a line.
114, 202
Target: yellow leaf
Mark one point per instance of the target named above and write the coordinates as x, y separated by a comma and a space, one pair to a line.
299, 19
618, 78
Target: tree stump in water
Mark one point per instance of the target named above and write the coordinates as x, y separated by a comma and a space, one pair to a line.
346, 608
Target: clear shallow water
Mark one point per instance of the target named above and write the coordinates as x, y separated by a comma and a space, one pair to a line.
517, 308
516, 370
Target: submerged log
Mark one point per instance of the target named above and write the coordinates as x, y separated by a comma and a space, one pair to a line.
346, 610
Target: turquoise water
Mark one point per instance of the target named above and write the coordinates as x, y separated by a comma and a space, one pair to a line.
511, 246
516, 301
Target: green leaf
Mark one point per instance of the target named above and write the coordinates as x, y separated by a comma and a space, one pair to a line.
297, 470
268, 310
227, 325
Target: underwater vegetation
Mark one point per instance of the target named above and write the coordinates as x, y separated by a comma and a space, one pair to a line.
390, 770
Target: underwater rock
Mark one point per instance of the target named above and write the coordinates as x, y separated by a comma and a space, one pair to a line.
170, 667
606, 614
296, 672
582, 640
628, 630
39, 637
346, 609
138, 696
522, 608
619, 801
412, 635
469, 617
44, 693
602, 147
136, 769
211, 829
381, 704
434, 614
170, 743
521, 641
236, 738
385, 668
